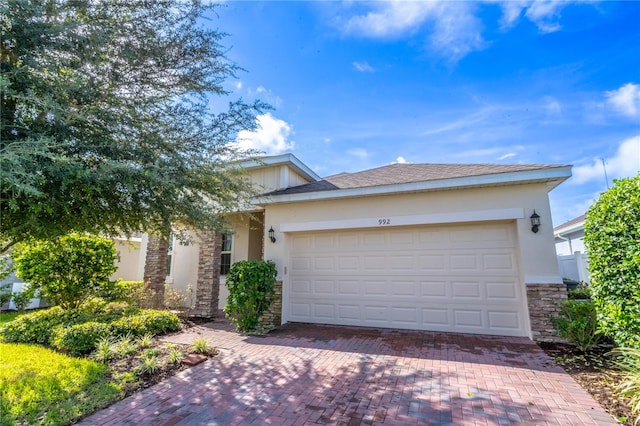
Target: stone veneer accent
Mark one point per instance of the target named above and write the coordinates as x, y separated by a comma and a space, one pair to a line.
155, 269
208, 283
273, 317
544, 300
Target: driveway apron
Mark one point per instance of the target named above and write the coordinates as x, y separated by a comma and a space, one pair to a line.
314, 374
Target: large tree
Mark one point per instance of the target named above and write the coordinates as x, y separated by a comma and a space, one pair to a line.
115, 119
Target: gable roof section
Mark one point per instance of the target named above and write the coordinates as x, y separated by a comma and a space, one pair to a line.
398, 178
285, 159
570, 226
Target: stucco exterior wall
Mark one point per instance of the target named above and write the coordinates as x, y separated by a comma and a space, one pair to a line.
128, 264
184, 264
537, 255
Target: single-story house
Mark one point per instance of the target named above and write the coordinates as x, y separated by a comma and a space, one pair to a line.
440, 247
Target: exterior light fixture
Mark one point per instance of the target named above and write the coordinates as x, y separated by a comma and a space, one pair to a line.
535, 222
272, 235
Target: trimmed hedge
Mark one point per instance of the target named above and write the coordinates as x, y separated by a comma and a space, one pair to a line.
77, 331
612, 238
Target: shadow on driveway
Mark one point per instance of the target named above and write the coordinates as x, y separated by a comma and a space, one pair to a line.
314, 374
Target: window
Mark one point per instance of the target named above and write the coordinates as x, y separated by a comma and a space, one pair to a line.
225, 252
170, 254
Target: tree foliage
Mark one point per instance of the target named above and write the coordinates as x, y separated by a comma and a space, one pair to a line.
612, 238
115, 118
69, 269
250, 284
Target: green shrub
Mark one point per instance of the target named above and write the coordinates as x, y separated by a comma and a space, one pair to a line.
581, 293
147, 321
78, 330
37, 327
250, 284
22, 299
67, 270
612, 238
80, 338
577, 323
134, 293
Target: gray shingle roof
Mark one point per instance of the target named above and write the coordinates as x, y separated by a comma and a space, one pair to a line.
406, 173
575, 221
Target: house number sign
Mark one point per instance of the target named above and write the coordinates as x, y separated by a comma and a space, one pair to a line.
384, 221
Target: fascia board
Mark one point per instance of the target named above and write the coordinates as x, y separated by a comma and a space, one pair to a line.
558, 174
569, 229
288, 159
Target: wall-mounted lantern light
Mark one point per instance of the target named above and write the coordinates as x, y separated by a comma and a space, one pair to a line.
272, 235
535, 222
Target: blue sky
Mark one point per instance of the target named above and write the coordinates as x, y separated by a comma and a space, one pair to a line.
356, 85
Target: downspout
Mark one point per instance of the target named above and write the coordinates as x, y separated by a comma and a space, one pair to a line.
558, 235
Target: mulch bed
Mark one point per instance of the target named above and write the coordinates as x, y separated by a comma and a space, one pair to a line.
595, 371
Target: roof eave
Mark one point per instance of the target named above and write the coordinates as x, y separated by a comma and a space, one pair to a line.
288, 159
554, 176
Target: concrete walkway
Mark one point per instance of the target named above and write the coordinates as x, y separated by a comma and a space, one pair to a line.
311, 374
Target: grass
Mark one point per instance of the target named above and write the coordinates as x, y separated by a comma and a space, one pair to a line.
8, 316
38, 385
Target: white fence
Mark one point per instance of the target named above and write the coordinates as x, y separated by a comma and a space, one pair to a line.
574, 266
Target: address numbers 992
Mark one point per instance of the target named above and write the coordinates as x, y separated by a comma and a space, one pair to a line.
384, 221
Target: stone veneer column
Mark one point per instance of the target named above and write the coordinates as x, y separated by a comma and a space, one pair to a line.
544, 301
208, 284
155, 269
273, 316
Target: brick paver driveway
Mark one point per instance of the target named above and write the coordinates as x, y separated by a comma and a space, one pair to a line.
308, 374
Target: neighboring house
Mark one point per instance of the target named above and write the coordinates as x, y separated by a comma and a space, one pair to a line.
570, 248
441, 247
568, 237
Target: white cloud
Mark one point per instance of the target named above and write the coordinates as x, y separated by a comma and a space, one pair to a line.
363, 67
625, 100
545, 13
625, 163
238, 85
553, 107
271, 137
454, 30
507, 155
359, 152
399, 160
265, 94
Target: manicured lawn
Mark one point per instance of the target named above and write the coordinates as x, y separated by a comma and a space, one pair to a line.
38, 385
7, 316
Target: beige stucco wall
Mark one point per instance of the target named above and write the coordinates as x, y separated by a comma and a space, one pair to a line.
275, 177
128, 264
184, 264
537, 251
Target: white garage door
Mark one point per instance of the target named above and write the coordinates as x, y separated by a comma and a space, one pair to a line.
461, 278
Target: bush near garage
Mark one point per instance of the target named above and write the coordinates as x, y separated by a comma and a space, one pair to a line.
612, 238
251, 289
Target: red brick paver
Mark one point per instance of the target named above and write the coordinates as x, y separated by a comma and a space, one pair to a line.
311, 374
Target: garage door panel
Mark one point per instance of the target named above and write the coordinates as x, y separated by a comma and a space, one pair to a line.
349, 312
324, 287
434, 289
468, 318
465, 290
504, 320
348, 288
461, 278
